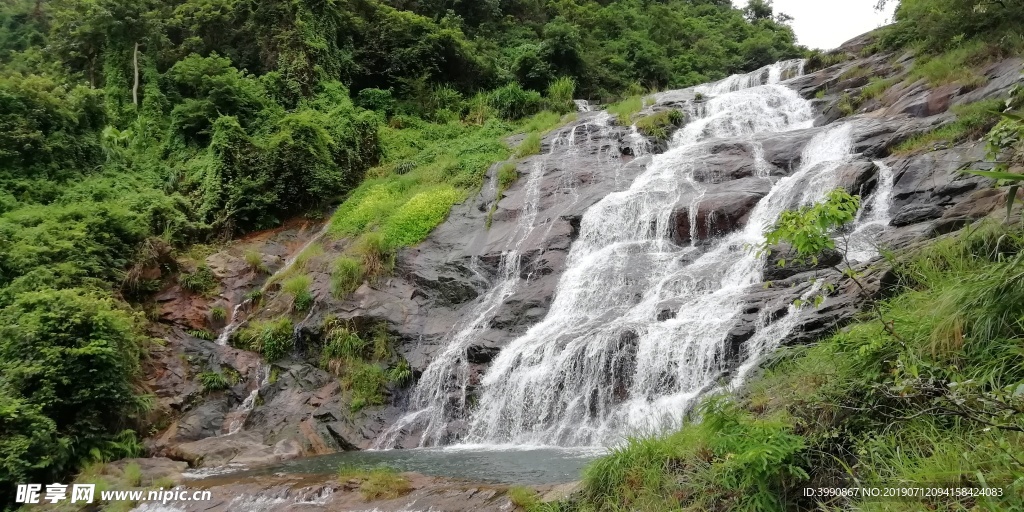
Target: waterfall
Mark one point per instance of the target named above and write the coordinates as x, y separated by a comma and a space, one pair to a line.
238, 416
873, 217
440, 394
605, 362
601, 365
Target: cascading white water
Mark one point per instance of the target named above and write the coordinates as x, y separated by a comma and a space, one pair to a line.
603, 363
600, 365
440, 394
237, 417
862, 242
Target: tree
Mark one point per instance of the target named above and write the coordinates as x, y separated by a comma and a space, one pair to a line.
759, 10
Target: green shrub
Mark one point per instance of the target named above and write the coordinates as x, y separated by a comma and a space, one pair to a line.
529, 146
201, 280
560, 95
273, 339
381, 100
513, 102
367, 382
69, 359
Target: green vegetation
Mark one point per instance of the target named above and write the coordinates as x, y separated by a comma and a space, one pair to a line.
130, 131
626, 109
254, 261
212, 381
362, 363
657, 125
529, 146
218, 313
1006, 147
380, 483
200, 281
271, 338
972, 121
298, 288
523, 497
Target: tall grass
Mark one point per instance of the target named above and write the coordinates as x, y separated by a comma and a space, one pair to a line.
625, 110
958, 65
529, 146
560, 95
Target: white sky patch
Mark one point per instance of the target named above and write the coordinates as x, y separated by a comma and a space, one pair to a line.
826, 24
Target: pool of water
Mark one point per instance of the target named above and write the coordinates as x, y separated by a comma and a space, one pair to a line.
492, 464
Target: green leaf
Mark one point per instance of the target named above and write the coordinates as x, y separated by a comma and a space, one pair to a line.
997, 175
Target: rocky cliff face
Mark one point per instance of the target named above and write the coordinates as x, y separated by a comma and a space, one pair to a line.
446, 284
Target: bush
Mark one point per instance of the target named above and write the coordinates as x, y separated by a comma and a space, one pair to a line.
201, 280
68, 363
513, 102
380, 100
560, 95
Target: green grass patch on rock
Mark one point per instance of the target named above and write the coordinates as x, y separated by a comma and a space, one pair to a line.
972, 120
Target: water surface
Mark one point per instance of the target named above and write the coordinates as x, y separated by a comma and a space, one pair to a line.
510, 465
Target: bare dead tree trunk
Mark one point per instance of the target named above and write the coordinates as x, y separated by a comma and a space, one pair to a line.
135, 87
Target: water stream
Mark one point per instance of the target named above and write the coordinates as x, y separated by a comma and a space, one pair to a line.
602, 364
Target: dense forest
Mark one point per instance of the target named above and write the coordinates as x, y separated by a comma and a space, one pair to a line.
132, 129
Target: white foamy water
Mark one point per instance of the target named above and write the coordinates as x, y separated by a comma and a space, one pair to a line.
601, 365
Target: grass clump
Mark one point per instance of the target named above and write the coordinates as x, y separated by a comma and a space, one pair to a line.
523, 497
972, 120
560, 95
875, 88
381, 483
200, 281
254, 261
529, 146
132, 475
270, 338
298, 288
362, 363
212, 381
346, 275
625, 110
218, 313
657, 125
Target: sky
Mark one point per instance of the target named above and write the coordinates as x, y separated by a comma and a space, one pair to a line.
826, 24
